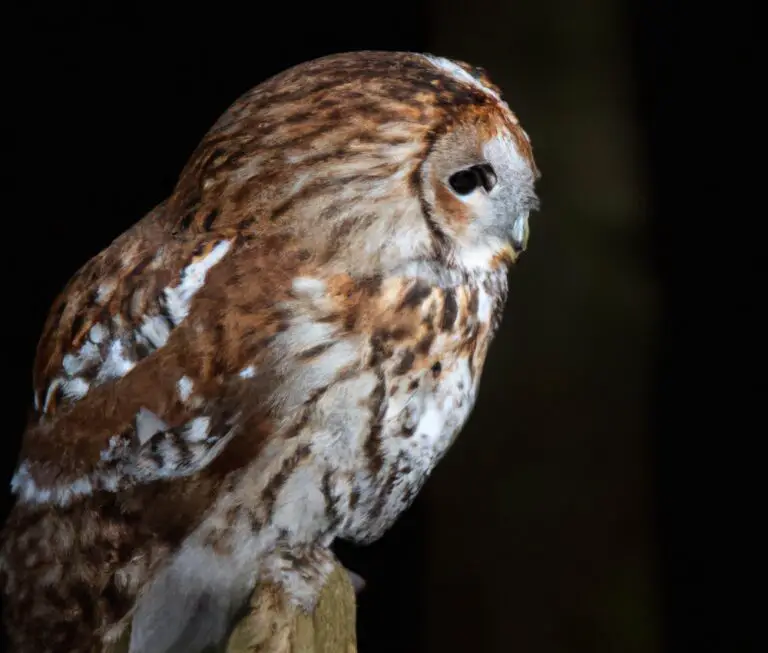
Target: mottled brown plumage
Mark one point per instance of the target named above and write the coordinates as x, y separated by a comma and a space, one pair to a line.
276, 356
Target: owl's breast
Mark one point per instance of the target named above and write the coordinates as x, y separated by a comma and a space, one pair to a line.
354, 452
422, 413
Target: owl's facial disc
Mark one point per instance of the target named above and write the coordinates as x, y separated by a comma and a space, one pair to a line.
479, 187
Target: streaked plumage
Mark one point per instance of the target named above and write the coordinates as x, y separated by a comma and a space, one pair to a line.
276, 356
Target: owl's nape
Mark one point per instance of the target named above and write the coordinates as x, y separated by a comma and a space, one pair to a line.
275, 357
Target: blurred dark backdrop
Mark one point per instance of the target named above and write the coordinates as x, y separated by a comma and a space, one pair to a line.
579, 510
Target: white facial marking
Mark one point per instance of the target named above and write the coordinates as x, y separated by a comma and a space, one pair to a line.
504, 148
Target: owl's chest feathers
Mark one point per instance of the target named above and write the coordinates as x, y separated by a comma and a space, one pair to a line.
379, 410
421, 415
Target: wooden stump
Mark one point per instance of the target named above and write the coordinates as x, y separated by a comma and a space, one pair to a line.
271, 626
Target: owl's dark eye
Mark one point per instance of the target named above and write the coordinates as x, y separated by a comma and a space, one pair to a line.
465, 181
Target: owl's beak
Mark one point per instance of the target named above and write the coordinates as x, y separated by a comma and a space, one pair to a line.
519, 234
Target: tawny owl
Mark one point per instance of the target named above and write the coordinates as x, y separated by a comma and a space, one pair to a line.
275, 357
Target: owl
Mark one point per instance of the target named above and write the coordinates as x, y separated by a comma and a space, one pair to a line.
274, 357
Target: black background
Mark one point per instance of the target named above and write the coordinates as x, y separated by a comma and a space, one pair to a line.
106, 102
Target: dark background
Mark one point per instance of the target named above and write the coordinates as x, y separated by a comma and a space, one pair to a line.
602, 496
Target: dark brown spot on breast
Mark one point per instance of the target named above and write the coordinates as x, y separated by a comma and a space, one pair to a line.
416, 294
255, 522
450, 309
398, 333
423, 346
332, 512
473, 302
315, 351
354, 497
407, 431
384, 493
233, 514
380, 349
373, 442
372, 284
406, 363
269, 494
350, 319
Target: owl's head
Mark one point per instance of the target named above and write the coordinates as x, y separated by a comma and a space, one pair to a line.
370, 160
476, 179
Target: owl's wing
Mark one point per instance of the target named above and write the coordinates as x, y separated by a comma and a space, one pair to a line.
132, 377
165, 346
